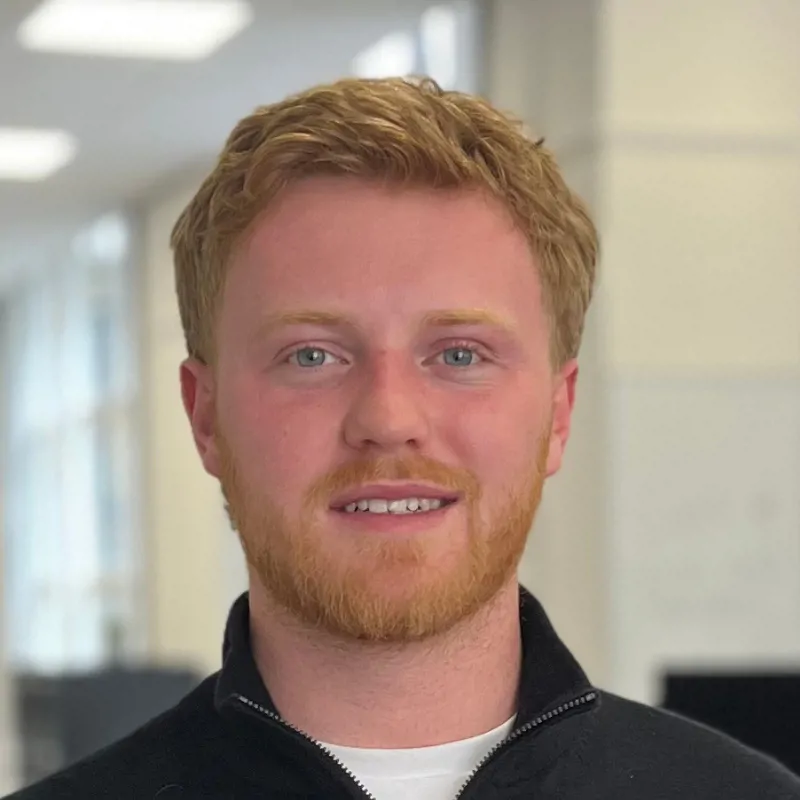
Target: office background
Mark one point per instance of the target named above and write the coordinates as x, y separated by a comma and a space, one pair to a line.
671, 541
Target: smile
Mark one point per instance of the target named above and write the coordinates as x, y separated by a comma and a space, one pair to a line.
409, 505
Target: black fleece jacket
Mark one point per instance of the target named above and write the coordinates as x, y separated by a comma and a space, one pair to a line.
571, 741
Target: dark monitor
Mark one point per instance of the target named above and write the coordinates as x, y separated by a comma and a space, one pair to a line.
761, 710
64, 718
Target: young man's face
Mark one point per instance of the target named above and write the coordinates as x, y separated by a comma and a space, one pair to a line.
372, 382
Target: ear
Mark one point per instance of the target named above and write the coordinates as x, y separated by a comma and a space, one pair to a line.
198, 393
563, 402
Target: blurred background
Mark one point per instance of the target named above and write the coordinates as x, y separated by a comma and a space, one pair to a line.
668, 550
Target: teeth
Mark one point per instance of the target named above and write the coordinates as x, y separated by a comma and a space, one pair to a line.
411, 505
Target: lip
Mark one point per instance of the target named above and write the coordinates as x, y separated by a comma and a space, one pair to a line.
392, 491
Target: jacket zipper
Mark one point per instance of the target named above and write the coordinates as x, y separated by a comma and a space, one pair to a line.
576, 702
327, 753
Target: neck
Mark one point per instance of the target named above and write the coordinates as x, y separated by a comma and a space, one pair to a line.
417, 694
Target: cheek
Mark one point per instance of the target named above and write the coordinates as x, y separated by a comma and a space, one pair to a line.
497, 438
280, 442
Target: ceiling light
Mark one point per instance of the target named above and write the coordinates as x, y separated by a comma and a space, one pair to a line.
33, 155
439, 34
176, 30
392, 55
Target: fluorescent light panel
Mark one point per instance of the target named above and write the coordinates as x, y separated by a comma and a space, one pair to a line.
28, 154
175, 30
392, 55
439, 34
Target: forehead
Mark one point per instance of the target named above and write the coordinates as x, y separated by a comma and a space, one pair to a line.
346, 244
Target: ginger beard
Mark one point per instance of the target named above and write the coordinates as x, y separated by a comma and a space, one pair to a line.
355, 597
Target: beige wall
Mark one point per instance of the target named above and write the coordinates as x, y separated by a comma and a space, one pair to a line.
190, 567
701, 184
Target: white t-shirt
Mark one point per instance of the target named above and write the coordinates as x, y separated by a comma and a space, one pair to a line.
424, 773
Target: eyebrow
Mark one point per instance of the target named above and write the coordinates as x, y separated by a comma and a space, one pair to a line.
442, 318
323, 319
465, 317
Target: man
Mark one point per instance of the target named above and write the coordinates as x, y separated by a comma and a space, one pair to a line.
383, 288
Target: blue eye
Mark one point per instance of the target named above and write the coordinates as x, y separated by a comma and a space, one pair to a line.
315, 355
311, 357
464, 356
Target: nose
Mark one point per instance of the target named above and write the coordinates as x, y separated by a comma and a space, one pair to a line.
387, 411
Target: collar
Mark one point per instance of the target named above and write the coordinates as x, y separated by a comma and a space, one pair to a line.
550, 674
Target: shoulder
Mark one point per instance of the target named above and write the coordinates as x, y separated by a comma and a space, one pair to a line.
648, 741
149, 763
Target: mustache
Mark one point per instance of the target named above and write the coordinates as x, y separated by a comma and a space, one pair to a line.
391, 468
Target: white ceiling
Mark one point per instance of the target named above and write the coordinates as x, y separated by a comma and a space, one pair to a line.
139, 122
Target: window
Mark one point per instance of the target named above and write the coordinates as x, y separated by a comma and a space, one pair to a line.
71, 495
